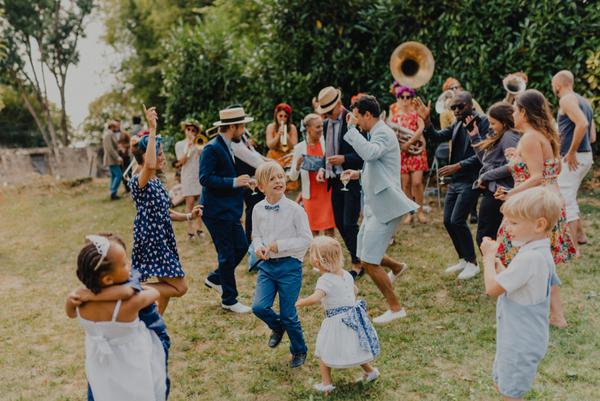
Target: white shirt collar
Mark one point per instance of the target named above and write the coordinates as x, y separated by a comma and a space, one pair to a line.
279, 202
537, 244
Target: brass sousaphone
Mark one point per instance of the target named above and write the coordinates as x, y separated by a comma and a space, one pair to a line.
412, 65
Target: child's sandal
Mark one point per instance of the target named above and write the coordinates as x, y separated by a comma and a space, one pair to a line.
369, 377
324, 388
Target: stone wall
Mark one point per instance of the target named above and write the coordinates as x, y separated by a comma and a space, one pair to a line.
18, 166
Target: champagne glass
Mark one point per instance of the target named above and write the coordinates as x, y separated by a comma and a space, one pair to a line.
252, 185
345, 178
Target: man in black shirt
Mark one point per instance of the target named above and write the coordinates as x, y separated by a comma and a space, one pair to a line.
463, 170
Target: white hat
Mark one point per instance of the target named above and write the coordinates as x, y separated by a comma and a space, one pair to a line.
234, 115
328, 98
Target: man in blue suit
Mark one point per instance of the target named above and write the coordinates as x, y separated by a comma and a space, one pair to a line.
385, 203
223, 200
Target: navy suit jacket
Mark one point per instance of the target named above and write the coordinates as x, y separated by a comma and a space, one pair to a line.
217, 173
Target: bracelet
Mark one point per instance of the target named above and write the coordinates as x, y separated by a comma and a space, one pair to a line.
188, 216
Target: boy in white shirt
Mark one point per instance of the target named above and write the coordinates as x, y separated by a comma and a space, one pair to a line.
523, 288
281, 236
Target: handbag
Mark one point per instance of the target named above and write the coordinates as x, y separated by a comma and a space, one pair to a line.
312, 163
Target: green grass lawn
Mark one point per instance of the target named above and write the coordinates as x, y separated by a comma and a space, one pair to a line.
443, 350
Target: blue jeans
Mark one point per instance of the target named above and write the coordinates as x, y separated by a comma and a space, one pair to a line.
283, 276
115, 178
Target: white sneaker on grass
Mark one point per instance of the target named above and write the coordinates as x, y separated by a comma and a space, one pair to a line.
388, 316
457, 267
393, 276
216, 287
324, 388
237, 307
369, 377
470, 271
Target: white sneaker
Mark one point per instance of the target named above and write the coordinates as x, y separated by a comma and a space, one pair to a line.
216, 287
324, 388
237, 308
470, 271
369, 377
457, 267
388, 316
393, 276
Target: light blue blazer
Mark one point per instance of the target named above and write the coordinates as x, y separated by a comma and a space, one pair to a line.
380, 176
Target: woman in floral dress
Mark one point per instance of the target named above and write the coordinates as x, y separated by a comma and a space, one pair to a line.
535, 162
411, 166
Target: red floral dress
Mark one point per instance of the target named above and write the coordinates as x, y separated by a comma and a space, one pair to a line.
408, 162
560, 241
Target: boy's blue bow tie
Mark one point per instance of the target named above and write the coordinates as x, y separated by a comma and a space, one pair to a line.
274, 208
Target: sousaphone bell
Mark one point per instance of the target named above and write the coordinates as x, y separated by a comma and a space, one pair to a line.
412, 64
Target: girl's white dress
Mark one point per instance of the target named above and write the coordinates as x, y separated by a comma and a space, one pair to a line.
337, 344
124, 361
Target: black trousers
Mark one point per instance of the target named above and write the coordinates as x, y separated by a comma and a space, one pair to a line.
231, 245
457, 206
346, 210
490, 217
250, 201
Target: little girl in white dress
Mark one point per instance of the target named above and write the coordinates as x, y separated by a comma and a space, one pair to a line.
124, 360
347, 337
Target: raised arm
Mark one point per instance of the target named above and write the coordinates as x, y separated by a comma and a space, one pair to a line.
150, 156
368, 150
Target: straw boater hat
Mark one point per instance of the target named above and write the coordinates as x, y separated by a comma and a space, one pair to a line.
328, 98
190, 122
234, 115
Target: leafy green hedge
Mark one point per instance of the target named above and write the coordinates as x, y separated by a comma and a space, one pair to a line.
286, 50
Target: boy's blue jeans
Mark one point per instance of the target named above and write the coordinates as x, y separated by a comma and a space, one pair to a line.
283, 276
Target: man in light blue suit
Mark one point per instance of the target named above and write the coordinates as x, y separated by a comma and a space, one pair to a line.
384, 201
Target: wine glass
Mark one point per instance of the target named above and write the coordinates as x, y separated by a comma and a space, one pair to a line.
252, 185
345, 178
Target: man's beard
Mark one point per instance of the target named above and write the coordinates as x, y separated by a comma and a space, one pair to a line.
236, 139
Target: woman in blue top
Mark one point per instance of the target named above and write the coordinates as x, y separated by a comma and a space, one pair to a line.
154, 248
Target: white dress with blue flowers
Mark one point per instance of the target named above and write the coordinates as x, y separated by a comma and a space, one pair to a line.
154, 248
338, 344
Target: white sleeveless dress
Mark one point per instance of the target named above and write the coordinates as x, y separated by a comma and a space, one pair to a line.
124, 361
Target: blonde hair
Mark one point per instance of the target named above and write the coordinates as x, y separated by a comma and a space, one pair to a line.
265, 171
328, 252
534, 203
309, 118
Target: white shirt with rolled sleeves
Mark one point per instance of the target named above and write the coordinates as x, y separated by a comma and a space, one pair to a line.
288, 227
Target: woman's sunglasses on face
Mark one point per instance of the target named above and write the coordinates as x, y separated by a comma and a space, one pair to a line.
406, 97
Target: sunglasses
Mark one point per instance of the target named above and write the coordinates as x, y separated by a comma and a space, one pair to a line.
406, 97
459, 106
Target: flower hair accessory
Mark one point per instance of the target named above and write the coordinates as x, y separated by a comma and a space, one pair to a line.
102, 245
285, 107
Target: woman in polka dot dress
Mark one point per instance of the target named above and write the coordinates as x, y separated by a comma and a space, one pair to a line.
154, 247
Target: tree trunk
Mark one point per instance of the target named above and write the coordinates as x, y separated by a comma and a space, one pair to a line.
63, 116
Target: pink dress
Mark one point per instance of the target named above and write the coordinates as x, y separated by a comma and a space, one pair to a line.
560, 241
408, 162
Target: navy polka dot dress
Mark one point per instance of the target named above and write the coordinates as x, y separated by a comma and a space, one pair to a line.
154, 249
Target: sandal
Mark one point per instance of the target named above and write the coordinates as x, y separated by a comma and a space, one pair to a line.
191, 236
200, 234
